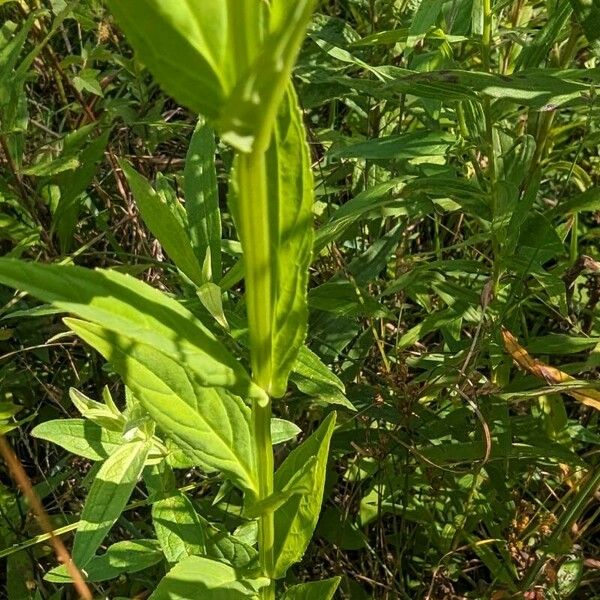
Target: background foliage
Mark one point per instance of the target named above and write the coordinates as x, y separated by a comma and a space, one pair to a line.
455, 148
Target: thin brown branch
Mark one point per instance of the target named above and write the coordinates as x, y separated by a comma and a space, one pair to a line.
62, 554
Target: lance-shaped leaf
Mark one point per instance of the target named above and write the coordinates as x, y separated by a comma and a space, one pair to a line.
283, 431
108, 496
551, 375
536, 52
80, 437
314, 378
202, 199
186, 46
229, 60
296, 520
212, 425
273, 215
543, 89
9, 55
72, 184
124, 304
209, 580
164, 225
129, 556
183, 532
314, 590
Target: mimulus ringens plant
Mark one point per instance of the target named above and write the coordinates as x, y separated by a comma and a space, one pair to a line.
190, 402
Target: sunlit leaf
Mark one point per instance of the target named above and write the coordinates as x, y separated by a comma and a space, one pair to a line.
161, 221
228, 60
80, 437
130, 556
296, 520
212, 425
107, 498
314, 590
202, 199
210, 580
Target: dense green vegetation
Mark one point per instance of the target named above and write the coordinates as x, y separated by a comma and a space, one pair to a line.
445, 401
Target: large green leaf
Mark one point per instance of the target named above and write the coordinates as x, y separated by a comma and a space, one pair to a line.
314, 590
184, 377
107, 498
212, 425
275, 228
296, 520
228, 60
197, 578
202, 198
165, 226
123, 304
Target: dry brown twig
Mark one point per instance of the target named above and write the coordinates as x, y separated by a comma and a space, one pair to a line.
62, 554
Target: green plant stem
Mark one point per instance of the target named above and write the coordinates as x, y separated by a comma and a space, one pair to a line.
266, 524
486, 53
574, 242
253, 226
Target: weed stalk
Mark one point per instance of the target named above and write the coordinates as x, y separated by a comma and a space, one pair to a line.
253, 215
